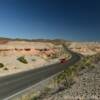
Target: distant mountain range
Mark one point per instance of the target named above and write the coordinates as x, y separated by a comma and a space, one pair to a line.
56, 41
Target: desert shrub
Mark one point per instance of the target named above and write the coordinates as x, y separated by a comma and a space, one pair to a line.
65, 78
22, 59
33, 59
5, 68
1, 65
35, 98
53, 56
96, 58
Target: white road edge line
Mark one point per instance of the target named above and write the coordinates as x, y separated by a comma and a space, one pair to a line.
31, 87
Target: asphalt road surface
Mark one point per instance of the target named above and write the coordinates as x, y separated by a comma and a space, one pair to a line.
12, 84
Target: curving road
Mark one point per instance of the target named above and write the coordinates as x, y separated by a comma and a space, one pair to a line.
12, 84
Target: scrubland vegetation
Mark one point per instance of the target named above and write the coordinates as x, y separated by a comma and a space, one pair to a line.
1, 65
22, 59
68, 77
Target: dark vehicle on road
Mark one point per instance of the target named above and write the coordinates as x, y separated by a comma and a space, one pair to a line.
63, 60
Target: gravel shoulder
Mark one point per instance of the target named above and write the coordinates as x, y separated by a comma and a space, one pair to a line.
87, 87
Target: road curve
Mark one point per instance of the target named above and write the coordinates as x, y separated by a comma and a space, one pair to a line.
12, 84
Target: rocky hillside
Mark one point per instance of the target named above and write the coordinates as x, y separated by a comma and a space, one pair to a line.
16, 56
85, 48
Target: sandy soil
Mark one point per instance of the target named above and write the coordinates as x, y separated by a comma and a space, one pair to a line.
85, 48
10, 51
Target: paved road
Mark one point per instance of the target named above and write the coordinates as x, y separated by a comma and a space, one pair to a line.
17, 82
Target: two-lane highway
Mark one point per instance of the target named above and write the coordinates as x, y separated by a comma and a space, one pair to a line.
12, 84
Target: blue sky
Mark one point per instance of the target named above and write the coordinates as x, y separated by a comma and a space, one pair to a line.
65, 19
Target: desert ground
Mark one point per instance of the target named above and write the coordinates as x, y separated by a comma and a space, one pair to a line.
18, 56
87, 87
85, 48
80, 81
21, 55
